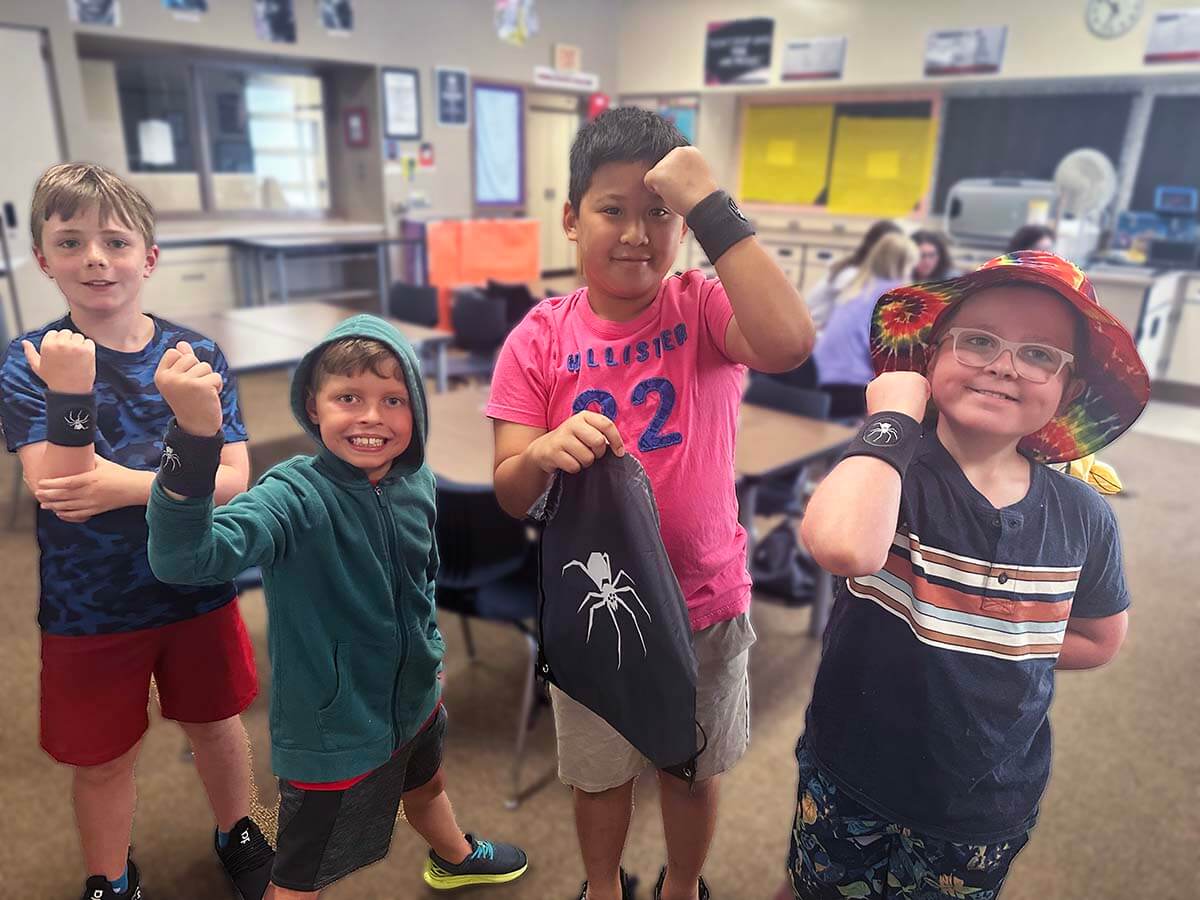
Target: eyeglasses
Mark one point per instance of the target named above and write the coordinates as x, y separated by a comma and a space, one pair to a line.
1034, 362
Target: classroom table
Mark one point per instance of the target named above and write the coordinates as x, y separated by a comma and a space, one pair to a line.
246, 348
769, 443
311, 320
268, 337
262, 251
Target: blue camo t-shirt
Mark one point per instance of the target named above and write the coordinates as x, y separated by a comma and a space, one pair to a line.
931, 702
95, 576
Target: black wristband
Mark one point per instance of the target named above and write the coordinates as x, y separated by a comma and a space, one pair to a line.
189, 463
718, 224
890, 436
70, 419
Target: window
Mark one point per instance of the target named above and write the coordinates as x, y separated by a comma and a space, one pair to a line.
213, 138
499, 145
266, 136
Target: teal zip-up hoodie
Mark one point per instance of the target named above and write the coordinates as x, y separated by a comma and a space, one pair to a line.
348, 569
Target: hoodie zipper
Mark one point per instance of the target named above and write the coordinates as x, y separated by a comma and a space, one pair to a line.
390, 533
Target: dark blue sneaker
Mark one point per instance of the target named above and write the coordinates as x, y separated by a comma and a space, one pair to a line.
628, 887
247, 859
702, 889
488, 863
99, 888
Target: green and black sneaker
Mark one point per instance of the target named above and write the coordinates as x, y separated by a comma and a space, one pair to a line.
488, 863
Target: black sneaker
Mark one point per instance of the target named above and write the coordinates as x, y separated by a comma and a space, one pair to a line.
629, 885
247, 859
488, 863
662, 876
99, 888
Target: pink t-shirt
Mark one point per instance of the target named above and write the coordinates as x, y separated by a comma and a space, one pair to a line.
665, 380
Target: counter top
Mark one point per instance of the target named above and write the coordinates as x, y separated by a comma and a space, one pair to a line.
218, 231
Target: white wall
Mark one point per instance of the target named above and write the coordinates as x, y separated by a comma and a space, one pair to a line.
662, 43
387, 32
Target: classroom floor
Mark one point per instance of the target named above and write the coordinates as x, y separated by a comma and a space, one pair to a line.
1120, 819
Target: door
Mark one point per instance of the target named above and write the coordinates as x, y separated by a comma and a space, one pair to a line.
29, 112
551, 124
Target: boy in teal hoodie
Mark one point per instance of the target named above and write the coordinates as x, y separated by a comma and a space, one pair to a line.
346, 547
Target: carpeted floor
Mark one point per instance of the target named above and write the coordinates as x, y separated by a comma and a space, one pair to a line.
1120, 819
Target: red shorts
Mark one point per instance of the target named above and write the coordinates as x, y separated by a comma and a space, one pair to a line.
96, 688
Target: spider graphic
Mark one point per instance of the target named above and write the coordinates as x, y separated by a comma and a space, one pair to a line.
882, 433
78, 419
170, 459
608, 596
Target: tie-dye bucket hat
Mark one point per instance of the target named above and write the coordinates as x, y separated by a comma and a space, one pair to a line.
1117, 383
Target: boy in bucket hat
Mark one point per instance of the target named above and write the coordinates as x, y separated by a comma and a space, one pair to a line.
972, 572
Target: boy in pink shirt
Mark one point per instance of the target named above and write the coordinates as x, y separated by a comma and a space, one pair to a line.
651, 367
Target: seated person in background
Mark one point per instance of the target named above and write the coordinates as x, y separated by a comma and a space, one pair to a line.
934, 262
824, 294
1032, 237
843, 353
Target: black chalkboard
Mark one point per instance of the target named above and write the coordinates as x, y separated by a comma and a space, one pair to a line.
1026, 136
1171, 153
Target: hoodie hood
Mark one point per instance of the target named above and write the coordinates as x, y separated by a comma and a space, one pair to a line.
375, 329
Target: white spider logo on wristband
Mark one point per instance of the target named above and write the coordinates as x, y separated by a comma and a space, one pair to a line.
78, 419
882, 433
170, 459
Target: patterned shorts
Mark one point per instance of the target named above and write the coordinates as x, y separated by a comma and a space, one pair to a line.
841, 849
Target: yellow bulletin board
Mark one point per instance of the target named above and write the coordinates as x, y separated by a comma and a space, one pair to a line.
785, 153
880, 165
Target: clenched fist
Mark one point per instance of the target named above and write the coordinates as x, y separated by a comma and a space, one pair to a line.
66, 361
682, 178
902, 392
192, 389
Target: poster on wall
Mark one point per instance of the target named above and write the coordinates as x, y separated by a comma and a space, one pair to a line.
738, 52
451, 91
1174, 37
965, 51
516, 21
95, 12
275, 21
402, 104
186, 10
337, 16
814, 59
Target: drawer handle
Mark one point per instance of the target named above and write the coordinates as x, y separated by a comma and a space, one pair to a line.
824, 254
193, 276
784, 251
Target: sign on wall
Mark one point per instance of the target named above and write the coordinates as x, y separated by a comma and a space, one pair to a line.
814, 59
402, 104
451, 87
965, 51
738, 52
1174, 37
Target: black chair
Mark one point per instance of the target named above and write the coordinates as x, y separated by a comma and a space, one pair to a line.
480, 327
414, 303
779, 564
517, 299
489, 571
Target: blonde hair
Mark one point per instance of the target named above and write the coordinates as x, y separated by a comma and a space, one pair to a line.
891, 259
65, 189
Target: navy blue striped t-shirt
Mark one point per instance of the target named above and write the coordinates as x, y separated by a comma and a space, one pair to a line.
932, 698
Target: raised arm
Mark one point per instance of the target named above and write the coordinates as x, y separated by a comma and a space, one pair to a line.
66, 363
850, 521
771, 330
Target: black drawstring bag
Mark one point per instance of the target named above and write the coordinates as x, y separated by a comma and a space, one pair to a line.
613, 627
